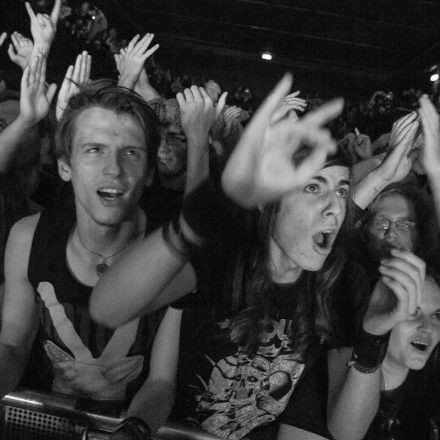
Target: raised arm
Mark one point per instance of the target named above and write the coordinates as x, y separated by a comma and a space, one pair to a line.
430, 155
76, 76
261, 169
43, 28
197, 114
354, 387
35, 101
395, 166
130, 64
20, 49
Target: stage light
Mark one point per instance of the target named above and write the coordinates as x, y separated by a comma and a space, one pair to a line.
434, 77
266, 56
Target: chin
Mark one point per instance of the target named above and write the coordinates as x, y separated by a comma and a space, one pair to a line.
312, 264
416, 363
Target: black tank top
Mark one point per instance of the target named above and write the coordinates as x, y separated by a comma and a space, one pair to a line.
72, 354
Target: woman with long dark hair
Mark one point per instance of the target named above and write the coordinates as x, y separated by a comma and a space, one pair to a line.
264, 277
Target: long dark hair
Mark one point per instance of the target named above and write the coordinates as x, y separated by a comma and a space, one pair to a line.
312, 308
426, 221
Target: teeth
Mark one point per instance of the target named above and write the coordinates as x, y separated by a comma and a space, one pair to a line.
110, 190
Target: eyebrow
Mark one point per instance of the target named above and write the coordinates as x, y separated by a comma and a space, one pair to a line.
85, 145
324, 180
405, 219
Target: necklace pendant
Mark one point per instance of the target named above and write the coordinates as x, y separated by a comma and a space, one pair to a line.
101, 268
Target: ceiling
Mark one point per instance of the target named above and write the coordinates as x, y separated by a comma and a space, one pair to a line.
379, 40
354, 44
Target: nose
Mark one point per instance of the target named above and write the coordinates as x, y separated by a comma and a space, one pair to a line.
113, 165
425, 324
333, 205
392, 230
163, 148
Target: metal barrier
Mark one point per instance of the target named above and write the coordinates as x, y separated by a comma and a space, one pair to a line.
31, 415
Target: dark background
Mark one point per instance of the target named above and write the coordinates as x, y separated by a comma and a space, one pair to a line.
333, 47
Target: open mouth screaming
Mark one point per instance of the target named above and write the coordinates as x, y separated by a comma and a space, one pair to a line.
420, 345
324, 239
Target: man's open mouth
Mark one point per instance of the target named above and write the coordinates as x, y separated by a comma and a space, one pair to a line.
110, 193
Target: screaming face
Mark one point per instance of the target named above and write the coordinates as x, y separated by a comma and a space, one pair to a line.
413, 340
308, 222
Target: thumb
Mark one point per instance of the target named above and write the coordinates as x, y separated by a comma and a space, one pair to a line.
221, 104
11, 52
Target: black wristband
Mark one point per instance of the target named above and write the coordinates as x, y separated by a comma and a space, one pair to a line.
135, 426
369, 351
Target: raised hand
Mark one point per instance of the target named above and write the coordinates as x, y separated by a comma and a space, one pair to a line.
20, 50
76, 76
231, 114
290, 105
430, 154
43, 26
35, 99
131, 59
397, 293
3, 38
397, 163
198, 112
261, 168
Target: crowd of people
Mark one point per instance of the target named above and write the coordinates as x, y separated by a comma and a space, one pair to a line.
252, 273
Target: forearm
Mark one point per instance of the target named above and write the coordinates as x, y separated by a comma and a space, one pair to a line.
368, 188
434, 183
197, 168
40, 48
237, 178
12, 364
135, 282
352, 411
128, 81
145, 89
10, 138
153, 403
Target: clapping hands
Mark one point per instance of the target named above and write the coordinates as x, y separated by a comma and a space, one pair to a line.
198, 112
290, 105
76, 76
35, 99
430, 154
398, 292
130, 61
20, 50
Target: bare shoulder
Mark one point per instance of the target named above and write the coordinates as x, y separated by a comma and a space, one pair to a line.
19, 244
25, 227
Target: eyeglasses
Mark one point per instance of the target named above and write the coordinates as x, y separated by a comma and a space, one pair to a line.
385, 224
174, 140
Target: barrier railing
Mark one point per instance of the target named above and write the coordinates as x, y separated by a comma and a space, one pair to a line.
32, 415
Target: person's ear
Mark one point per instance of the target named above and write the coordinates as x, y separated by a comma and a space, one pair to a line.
64, 170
